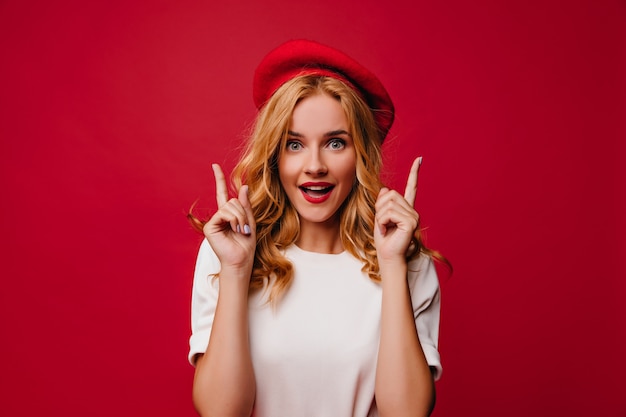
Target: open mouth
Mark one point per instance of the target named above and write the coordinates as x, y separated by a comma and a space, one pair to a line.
316, 191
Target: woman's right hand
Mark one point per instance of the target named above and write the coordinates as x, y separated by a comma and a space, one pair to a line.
232, 229
224, 382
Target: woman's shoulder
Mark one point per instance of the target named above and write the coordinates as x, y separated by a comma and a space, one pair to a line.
420, 260
207, 261
421, 270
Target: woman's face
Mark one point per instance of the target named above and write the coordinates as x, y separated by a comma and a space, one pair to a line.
317, 168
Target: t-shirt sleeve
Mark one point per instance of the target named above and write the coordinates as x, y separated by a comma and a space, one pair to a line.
426, 299
203, 300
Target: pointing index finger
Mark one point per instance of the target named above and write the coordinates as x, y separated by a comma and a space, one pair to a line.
221, 190
411, 183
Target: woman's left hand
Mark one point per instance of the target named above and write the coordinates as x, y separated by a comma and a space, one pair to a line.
396, 219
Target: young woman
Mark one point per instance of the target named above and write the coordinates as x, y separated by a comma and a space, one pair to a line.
313, 293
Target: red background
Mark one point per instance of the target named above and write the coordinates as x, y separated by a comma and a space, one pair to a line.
112, 112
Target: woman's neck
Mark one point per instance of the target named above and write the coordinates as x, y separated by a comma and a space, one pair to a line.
320, 237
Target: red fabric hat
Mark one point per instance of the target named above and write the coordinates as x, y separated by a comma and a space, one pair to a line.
298, 57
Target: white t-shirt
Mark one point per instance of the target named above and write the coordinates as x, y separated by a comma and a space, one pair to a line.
315, 353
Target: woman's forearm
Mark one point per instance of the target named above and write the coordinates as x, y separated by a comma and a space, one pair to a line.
404, 383
224, 383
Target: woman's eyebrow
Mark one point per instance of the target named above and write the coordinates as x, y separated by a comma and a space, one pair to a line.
337, 133
327, 134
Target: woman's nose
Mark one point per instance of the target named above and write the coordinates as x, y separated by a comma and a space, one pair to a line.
315, 164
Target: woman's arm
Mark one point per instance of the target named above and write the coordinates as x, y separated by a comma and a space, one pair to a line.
224, 383
404, 382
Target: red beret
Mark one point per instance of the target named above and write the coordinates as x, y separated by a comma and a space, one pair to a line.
298, 57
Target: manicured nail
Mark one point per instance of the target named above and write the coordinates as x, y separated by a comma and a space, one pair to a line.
238, 229
246, 229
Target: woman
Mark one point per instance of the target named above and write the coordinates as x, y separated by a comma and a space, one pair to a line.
313, 294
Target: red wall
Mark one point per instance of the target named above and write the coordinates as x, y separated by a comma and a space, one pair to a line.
112, 112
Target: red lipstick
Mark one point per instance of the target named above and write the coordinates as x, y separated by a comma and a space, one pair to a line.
316, 192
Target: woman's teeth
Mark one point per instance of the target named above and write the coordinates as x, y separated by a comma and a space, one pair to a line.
316, 190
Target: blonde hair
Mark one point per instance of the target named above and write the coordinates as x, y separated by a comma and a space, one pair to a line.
277, 223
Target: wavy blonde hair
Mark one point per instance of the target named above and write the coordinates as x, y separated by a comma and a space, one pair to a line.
277, 222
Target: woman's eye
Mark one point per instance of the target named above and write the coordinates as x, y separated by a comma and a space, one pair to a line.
336, 144
293, 146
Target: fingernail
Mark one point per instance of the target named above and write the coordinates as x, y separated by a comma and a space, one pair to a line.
246, 229
238, 229
419, 161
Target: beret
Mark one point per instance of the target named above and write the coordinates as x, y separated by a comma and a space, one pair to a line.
300, 57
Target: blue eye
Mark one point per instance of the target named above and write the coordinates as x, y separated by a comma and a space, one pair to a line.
293, 145
336, 144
